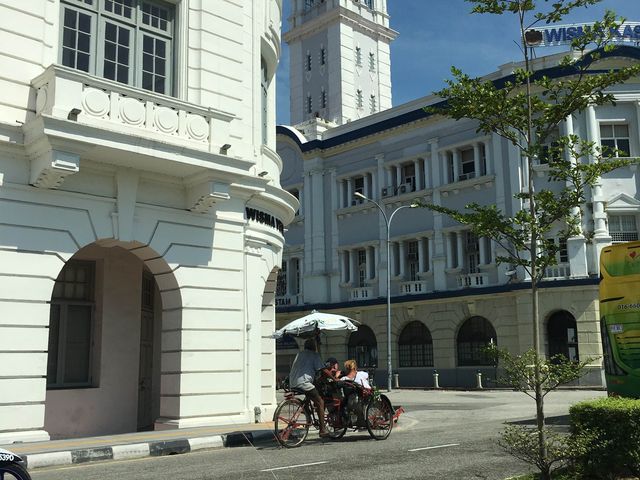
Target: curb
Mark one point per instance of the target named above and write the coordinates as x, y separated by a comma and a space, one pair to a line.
147, 449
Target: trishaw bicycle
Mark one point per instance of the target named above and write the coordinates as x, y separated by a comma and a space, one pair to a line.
296, 414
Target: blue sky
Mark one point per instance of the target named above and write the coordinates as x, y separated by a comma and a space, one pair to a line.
436, 34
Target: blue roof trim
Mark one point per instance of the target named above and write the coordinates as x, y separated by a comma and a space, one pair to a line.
396, 121
439, 295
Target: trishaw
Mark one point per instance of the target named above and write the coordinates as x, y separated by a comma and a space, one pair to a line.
348, 405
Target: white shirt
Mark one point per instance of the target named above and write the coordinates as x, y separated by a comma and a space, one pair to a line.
361, 377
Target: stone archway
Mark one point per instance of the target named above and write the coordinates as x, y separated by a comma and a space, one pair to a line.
110, 307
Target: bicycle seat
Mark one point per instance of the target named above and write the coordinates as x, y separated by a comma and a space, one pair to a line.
296, 391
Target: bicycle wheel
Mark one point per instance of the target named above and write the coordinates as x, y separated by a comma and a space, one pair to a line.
335, 423
379, 417
291, 423
13, 471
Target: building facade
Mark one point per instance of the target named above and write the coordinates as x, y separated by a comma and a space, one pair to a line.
449, 296
141, 214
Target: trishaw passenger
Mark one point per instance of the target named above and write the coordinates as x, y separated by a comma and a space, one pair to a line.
352, 395
303, 371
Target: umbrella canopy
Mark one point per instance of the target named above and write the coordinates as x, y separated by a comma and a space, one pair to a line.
316, 321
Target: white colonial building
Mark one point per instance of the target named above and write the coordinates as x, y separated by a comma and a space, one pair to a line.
449, 296
141, 214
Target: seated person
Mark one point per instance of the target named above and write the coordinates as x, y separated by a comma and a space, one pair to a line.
352, 373
303, 374
353, 402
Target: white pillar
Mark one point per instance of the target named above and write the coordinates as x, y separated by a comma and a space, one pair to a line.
482, 245
568, 128
456, 165
460, 245
368, 261
487, 162
417, 174
341, 187
343, 266
398, 175
401, 257
375, 265
349, 192
421, 254
476, 160
593, 135
365, 181
598, 211
355, 270
375, 190
448, 237
425, 176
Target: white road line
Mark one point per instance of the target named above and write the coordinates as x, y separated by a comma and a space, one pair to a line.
432, 448
294, 466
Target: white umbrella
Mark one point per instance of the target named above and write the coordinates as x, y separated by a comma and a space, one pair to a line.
309, 324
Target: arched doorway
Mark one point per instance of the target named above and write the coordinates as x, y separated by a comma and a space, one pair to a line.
363, 347
562, 334
474, 335
105, 336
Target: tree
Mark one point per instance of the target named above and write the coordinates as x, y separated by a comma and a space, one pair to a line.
526, 110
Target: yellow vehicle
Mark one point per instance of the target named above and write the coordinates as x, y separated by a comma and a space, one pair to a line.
620, 317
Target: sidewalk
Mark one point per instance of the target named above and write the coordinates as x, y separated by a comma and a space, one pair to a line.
140, 444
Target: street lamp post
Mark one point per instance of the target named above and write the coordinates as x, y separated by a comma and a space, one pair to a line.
387, 220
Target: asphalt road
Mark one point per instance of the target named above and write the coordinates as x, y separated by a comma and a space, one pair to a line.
442, 435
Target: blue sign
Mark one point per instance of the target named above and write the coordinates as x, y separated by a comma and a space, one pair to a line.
629, 32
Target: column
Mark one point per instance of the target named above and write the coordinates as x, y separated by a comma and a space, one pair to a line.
341, 192
456, 165
448, 240
353, 277
343, 266
428, 243
568, 129
638, 117
401, 257
418, 174
425, 175
421, 254
375, 190
288, 277
476, 160
435, 166
349, 192
367, 190
375, 261
598, 212
487, 160
398, 175
388, 179
301, 201
593, 135
482, 245
391, 261
460, 245
369, 262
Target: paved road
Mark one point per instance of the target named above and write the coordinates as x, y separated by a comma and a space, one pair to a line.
443, 435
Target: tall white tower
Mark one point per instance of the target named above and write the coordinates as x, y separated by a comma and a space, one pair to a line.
340, 62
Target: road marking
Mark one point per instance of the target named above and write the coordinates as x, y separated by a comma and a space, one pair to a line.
432, 448
294, 466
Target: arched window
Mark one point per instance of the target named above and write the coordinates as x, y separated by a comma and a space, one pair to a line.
363, 347
415, 346
474, 335
562, 333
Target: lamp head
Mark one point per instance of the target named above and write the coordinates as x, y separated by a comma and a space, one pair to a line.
359, 195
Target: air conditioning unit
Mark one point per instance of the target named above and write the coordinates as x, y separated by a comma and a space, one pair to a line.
404, 188
386, 192
354, 203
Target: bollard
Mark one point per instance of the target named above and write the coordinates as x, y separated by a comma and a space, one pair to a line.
479, 380
436, 384
257, 412
396, 380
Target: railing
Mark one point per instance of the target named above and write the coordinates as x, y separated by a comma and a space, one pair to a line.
413, 287
561, 270
361, 293
473, 280
466, 176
